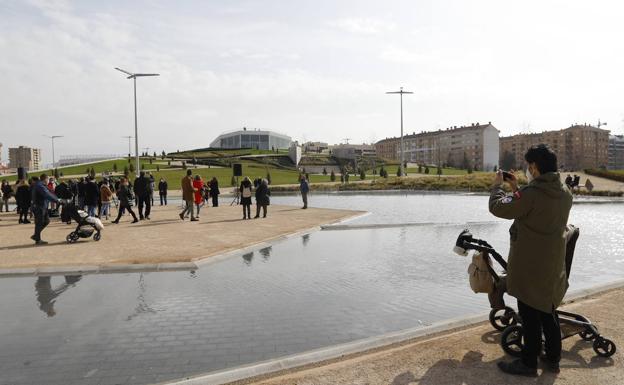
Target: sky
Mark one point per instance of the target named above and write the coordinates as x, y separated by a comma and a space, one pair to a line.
315, 70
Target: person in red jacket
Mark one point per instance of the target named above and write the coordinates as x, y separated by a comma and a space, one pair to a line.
198, 185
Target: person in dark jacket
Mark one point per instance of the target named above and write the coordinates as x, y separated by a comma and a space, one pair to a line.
7, 193
536, 271
214, 191
92, 196
245, 197
142, 190
124, 194
262, 198
81, 193
304, 187
22, 198
40, 199
63, 191
162, 191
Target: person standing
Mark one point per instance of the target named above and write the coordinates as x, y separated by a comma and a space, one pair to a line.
62, 191
262, 198
214, 191
536, 271
162, 191
91, 197
41, 198
304, 187
22, 198
142, 192
105, 197
7, 192
198, 186
152, 185
124, 194
245, 200
81, 193
188, 192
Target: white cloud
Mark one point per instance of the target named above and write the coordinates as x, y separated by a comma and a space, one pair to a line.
366, 26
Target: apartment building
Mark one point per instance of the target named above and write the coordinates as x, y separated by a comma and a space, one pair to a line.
475, 145
616, 152
577, 147
353, 151
27, 157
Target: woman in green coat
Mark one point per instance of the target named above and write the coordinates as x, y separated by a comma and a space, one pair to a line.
536, 273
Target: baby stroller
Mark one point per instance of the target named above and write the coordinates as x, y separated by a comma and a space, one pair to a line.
87, 226
506, 319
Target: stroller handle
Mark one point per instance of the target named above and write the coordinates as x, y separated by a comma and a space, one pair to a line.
465, 241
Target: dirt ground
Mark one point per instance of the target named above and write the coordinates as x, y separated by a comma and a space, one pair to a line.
469, 356
164, 238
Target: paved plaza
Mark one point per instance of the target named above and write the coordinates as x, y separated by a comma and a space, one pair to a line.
164, 238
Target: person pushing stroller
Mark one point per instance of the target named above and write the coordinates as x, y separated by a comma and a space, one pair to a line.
536, 272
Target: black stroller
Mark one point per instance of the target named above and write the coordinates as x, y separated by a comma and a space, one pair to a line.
87, 226
506, 319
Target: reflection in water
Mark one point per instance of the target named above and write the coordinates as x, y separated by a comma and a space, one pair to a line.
47, 296
248, 257
266, 253
305, 239
142, 306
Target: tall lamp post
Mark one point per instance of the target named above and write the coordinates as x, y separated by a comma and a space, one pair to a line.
52, 137
136, 130
401, 92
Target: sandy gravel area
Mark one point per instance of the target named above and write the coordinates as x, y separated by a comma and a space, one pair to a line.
164, 238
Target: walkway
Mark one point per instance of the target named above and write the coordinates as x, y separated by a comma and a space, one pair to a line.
164, 238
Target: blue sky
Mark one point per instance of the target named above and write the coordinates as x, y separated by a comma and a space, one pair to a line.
316, 70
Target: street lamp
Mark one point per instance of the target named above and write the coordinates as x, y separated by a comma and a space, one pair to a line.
401, 92
136, 130
52, 137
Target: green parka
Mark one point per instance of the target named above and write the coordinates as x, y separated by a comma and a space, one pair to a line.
536, 273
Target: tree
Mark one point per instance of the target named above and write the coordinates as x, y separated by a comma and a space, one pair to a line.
495, 168
115, 167
168, 163
508, 161
342, 178
469, 170
324, 171
426, 169
268, 177
399, 171
155, 154
151, 160
131, 167
126, 171
465, 162
92, 172
61, 173
56, 173
184, 165
162, 155
157, 167
346, 177
420, 168
362, 174
88, 171
332, 176
439, 170
374, 171
194, 161
382, 172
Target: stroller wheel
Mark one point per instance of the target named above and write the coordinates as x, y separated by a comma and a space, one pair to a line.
587, 335
604, 347
96, 236
502, 318
72, 237
511, 340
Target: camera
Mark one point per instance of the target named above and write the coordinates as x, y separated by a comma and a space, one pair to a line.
507, 176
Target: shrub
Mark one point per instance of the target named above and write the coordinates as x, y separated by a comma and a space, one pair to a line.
324, 171
362, 175
426, 169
